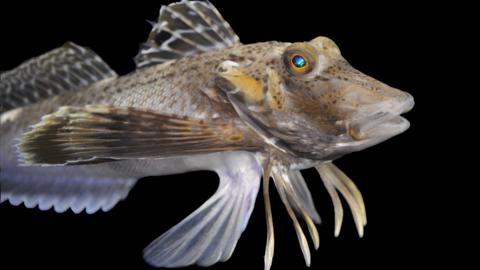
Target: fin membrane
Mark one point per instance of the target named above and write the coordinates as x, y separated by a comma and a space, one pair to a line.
63, 69
97, 133
185, 28
210, 233
75, 187
300, 196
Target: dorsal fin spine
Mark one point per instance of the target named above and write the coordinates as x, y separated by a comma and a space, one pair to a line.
66, 68
233, 40
200, 28
183, 29
187, 22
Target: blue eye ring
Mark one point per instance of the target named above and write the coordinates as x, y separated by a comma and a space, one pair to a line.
299, 61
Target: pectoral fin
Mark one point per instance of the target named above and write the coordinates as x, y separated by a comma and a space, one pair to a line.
99, 133
210, 234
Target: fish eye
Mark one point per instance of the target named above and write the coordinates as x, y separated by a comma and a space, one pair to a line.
299, 59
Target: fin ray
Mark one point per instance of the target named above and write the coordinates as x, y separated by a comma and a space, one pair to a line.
67, 68
280, 180
185, 28
330, 173
63, 188
301, 197
211, 232
71, 136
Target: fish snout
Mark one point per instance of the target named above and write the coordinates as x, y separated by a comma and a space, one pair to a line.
396, 102
382, 119
374, 108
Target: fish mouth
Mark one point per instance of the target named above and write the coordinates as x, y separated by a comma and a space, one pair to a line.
379, 125
382, 124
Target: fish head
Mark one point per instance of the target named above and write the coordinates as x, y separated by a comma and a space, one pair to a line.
306, 99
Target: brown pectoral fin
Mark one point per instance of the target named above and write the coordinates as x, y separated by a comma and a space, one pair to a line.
99, 133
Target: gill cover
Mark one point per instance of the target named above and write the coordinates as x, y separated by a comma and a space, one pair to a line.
306, 100
261, 97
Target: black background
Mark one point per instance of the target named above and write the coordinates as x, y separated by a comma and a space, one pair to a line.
398, 44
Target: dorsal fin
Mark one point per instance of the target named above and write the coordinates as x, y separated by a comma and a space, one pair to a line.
185, 28
63, 69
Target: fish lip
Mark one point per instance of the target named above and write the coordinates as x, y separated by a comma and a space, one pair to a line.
382, 124
392, 126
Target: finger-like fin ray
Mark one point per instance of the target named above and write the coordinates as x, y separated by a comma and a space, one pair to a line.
331, 174
269, 248
279, 180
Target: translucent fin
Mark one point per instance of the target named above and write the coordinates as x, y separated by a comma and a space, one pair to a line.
299, 196
210, 233
62, 188
77, 135
185, 28
302, 200
67, 68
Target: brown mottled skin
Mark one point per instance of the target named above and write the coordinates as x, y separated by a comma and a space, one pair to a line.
183, 87
303, 110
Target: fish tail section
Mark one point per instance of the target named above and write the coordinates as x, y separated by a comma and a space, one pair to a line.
66, 68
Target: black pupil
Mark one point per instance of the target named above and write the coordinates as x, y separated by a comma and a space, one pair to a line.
299, 61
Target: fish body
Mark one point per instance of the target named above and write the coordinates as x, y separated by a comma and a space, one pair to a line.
77, 136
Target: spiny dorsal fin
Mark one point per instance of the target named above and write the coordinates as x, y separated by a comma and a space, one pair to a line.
185, 28
63, 69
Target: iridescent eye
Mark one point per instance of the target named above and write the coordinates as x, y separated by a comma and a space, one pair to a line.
299, 61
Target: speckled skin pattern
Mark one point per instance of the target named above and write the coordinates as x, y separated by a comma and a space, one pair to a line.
308, 112
183, 87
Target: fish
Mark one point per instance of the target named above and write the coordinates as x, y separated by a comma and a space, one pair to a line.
76, 136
